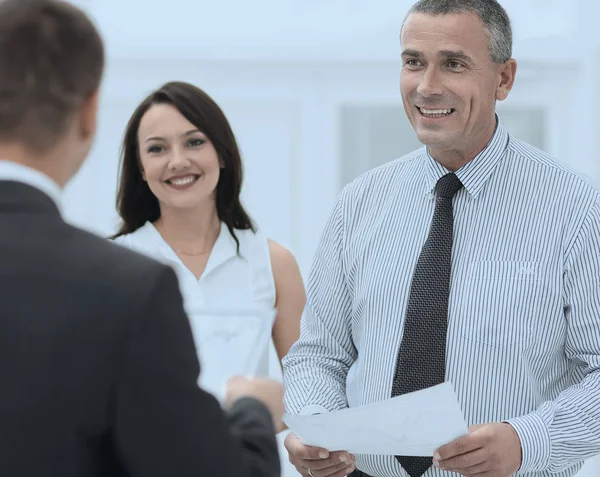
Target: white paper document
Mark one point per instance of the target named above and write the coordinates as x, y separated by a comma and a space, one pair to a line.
230, 343
414, 424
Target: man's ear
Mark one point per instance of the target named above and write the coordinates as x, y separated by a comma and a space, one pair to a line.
88, 115
508, 71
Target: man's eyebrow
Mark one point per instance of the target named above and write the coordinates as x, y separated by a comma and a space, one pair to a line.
455, 54
411, 53
444, 54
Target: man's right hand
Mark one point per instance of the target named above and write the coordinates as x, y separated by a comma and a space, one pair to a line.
320, 462
268, 391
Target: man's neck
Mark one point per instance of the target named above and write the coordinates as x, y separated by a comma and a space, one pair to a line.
46, 164
454, 159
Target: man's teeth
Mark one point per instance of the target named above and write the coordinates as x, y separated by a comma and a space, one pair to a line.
430, 112
183, 180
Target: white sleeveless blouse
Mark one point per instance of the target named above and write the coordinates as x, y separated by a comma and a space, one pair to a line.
229, 281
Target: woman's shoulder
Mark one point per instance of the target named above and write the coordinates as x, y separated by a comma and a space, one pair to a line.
127, 239
257, 240
251, 242
138, 240
124, 239
289, 285
249, 235
281, 257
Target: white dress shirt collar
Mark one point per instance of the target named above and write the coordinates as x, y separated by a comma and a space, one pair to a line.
474, 174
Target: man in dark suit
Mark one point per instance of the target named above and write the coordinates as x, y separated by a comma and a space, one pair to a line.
97, 359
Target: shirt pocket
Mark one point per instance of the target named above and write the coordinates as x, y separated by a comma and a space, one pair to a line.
502, 302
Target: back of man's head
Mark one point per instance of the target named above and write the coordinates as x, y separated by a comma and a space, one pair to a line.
51, 61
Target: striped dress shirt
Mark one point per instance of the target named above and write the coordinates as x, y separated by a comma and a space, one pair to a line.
523, 341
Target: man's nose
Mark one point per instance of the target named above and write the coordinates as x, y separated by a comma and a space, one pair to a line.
430, 83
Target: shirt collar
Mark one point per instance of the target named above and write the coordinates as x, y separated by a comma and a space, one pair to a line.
225, 248
475, 173
12, 171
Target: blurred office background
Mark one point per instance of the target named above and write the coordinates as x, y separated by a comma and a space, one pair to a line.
311, 90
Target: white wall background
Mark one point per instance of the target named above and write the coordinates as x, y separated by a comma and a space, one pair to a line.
311, 90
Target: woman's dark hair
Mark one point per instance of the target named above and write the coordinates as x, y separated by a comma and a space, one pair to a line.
137, 204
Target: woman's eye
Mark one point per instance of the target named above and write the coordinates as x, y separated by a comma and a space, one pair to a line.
196, 142
155, 149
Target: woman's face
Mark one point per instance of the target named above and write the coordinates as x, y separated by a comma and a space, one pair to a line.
178, 161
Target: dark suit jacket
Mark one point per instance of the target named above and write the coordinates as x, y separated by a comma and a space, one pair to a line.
98, 368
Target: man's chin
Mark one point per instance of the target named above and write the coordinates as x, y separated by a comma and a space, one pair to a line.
435, 139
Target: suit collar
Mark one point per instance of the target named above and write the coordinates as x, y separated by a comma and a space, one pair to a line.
11, 171
19, 197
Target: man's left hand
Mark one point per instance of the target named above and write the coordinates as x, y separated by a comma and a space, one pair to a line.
489, 450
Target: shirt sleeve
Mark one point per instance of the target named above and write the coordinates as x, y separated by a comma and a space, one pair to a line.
315, 369
564, 432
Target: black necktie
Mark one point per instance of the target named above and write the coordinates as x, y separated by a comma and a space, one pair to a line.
421, 359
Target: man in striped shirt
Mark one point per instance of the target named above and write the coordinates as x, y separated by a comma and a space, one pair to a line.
522, 346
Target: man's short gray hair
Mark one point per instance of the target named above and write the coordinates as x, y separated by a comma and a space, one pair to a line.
492, 14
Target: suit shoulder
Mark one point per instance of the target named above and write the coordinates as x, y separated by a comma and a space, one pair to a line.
112, 260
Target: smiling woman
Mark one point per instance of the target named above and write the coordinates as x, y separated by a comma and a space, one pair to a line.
178, 131
179, 200
176, 156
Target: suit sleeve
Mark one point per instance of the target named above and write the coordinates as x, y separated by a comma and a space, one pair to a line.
165, 424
